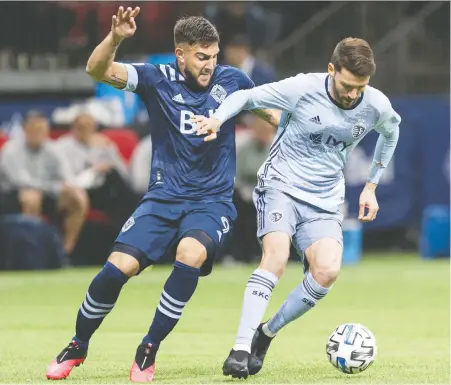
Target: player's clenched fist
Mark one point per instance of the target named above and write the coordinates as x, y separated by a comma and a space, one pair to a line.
368, 201
123, 24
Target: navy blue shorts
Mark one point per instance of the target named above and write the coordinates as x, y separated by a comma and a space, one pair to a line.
156, 227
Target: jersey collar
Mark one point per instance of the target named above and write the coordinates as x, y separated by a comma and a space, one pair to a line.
327, 85
180, 78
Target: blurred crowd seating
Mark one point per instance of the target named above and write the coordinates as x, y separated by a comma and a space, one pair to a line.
109, 206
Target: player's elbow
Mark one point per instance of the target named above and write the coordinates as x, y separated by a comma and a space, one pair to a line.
90, 70
95, 71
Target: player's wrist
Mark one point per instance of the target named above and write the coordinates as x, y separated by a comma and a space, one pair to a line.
370, 186
115, 39
218, 121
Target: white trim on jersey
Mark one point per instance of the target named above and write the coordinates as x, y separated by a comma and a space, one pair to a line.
163, 69
132, 78
172, 74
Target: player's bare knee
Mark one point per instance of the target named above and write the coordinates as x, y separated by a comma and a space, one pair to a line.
325, 271
325, 276
125, 263
324, 258
191, 252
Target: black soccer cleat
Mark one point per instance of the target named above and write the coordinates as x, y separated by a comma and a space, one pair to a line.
259, 348
236, 364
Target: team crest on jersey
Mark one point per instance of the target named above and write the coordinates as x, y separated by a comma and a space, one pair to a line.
316, 138
127, 225
358, 129
275, 216
218, 93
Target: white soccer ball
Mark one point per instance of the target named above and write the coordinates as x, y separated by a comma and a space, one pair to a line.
351, 348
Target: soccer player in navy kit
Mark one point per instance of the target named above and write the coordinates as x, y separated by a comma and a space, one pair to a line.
188, 209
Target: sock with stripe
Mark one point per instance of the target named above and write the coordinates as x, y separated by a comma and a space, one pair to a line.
256, 299
303, 298
99, 301
177, 291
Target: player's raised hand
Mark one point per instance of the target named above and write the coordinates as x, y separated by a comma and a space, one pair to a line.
368, 202
123, 24
206, 126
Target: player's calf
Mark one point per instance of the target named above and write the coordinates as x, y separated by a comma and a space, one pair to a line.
99, 301
177, 291
276, 248
324, 258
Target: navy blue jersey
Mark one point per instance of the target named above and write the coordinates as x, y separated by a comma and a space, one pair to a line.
183, 165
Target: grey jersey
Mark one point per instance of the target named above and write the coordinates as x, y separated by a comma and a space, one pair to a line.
310, 150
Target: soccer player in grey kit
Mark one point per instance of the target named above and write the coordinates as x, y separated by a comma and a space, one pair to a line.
301, 184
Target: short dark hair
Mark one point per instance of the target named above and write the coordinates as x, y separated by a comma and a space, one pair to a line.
355, 55
193, 30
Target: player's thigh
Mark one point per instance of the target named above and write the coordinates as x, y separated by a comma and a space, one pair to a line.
319, 237
204, 233
148, 233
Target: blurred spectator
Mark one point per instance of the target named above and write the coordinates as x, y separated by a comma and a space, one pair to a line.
35, 180
97, 166
140, 165
259, 25
238, 53
252, 151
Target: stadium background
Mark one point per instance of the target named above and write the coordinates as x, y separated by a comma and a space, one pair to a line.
44, 47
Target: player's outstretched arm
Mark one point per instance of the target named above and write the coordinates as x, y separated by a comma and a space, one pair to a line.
101, 65
270, 116
283, 95
385, 147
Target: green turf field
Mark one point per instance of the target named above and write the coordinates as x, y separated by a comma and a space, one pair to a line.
403, 300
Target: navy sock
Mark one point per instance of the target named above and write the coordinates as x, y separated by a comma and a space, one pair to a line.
177, 291
99, 301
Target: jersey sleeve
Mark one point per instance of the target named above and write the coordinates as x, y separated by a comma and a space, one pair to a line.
141, 77
282, 95
244, 82
388, 122
388, 128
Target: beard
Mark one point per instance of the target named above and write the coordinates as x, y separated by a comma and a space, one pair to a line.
191, 80
341, 100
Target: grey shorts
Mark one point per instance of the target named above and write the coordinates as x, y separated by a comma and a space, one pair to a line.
304, 223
